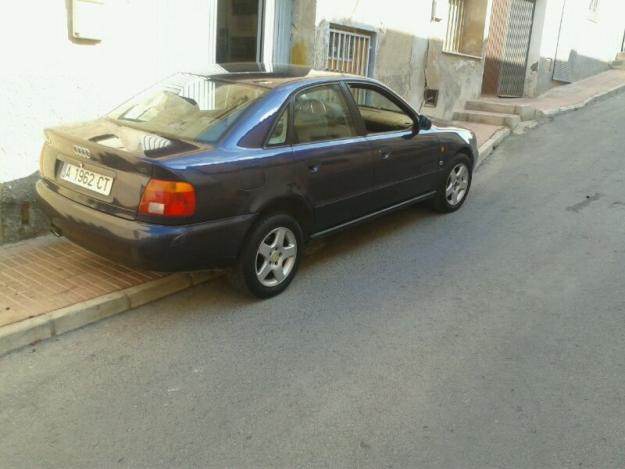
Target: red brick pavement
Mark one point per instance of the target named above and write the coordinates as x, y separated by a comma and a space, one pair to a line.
44, 274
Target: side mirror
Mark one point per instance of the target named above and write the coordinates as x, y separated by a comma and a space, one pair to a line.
423, 123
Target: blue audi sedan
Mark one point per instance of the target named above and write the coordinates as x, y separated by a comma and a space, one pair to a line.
241, 165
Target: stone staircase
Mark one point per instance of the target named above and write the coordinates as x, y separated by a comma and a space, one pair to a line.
494, 113
619, 63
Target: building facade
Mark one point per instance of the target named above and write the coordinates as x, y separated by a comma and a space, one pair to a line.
440, 53
81, 58
429, 51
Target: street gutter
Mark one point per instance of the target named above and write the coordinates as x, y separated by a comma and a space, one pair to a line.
72, 317
488, 147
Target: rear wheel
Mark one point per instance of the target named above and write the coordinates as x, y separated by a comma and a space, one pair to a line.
270, 257
455, 187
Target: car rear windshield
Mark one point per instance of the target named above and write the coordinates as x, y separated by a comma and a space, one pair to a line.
188, 107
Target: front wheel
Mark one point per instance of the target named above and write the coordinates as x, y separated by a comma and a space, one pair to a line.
270, 257
455, 187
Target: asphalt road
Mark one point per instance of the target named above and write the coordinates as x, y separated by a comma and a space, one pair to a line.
493, 337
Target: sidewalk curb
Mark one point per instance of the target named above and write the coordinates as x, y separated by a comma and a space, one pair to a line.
491, 144
488, 147
60, 321
593, 99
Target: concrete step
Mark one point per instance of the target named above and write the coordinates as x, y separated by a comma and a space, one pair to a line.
618, 64
478, 105
525, 112
491, 118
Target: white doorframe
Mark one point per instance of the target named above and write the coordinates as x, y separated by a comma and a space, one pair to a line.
282, 31
267, 34
212, 31
278, 16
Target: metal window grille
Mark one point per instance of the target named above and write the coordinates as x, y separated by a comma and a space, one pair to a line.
348, 51
455, 26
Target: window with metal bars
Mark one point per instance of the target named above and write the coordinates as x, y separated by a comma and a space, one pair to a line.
455, 26
466, 22
349, 50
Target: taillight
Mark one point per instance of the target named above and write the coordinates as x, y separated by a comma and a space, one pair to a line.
168, 199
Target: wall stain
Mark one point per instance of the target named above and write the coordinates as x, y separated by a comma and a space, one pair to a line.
299, 54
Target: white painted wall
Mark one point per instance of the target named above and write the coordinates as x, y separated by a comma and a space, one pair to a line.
594, 37
597, 37
47, 79
545, 40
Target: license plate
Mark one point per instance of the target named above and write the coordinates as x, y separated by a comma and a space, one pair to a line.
91, 180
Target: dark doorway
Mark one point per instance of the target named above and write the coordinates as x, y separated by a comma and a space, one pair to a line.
238, 27
508, 45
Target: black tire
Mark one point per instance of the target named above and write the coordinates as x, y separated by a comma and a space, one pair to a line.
442, 202
244, 275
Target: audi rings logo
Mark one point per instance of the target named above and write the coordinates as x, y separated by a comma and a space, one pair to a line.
82, 152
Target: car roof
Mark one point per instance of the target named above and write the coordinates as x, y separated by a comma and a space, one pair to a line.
270, 75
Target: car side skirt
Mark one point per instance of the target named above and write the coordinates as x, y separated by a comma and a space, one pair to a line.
371, 216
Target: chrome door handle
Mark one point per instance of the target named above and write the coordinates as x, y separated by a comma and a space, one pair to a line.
385, 154
314, 168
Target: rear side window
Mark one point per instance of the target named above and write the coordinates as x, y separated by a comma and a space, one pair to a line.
279, 134
380, 113
322, 113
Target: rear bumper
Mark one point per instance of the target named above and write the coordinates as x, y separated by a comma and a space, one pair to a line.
153, 247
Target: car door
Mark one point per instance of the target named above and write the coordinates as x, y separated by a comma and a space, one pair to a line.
335, 161
407, 158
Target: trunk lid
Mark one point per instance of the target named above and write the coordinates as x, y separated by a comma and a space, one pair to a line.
105, 165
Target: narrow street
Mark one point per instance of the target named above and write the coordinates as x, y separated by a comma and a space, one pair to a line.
493, 337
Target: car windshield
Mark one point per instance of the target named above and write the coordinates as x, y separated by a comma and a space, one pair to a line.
188, 107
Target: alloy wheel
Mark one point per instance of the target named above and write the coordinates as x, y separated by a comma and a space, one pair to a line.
276, 256
457, 184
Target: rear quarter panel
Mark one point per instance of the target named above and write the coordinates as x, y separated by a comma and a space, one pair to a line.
238, 181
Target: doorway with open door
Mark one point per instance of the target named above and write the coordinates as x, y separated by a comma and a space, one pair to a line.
510, 31
250, 31
239, 30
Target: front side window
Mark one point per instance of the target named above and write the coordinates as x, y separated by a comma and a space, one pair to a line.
322, 113
379, 113
188, 107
